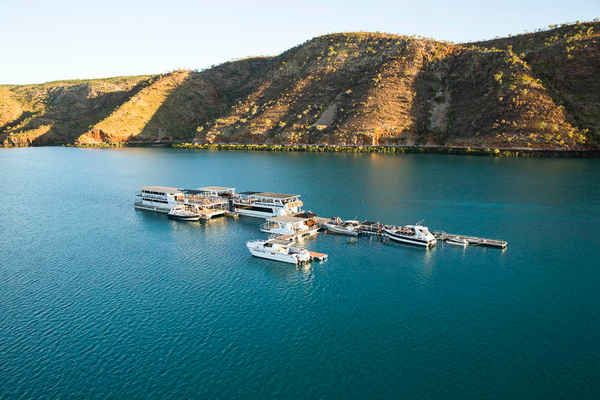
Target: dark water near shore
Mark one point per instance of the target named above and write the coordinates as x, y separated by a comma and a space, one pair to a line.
98, 300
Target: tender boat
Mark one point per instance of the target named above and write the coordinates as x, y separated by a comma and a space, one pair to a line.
411, 234
278, 250
290, 226
337, 225
182, 213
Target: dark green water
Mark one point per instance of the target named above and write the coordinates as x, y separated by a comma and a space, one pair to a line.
98, 300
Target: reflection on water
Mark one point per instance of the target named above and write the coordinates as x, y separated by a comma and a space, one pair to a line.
99, 299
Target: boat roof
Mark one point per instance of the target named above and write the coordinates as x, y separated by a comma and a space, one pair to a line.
271, 195
280, 242
215, 189
164, 189
287, 218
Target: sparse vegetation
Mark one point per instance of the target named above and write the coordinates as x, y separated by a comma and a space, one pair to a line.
345, 91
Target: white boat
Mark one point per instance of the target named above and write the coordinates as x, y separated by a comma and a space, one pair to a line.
184, 213
278, 250
458, 242
266, 204
294, 227
411, 234
337, 225
158, 198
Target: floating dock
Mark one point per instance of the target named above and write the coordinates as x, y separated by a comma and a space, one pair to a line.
318, 256
376, 229
213, 201
471, 240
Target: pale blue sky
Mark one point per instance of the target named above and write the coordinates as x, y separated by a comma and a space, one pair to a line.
49, 40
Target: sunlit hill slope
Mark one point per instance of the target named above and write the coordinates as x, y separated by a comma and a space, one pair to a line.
538, 90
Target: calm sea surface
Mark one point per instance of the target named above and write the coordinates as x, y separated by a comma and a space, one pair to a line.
98, 300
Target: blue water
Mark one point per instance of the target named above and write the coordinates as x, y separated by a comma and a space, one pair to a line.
98, 300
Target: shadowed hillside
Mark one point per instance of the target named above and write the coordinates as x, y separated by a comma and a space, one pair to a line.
566, 60
537, 90
58, 112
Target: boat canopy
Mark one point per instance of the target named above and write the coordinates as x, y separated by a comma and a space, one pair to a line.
216, 189
161, 189
270, 195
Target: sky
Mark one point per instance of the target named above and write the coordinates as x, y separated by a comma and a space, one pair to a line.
43, 41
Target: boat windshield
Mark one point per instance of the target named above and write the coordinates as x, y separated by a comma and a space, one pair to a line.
407, 230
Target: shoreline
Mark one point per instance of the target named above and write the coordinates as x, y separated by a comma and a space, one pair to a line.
394, 149
384, 149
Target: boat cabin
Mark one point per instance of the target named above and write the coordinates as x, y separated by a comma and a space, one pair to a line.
289, 225
266, 204
279, 199
413, 230
158, 198
161, 194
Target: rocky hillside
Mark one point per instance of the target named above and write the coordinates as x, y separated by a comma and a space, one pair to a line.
538, 90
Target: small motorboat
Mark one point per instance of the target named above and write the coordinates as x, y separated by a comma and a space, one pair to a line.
458, 242
181, 213
278, 250
339, 226
411, 234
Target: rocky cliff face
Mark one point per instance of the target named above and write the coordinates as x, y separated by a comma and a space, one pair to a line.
538, 91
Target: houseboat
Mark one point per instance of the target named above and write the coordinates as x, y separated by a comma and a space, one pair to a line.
266, 204
278, 250
158, 198
209, 201
294, 227
411, 234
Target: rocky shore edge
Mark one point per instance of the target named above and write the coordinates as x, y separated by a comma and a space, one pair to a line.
388, 149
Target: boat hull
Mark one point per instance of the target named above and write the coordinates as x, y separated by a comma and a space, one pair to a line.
184, 218
340, 230
275, 256
263, 211
255, 214
145, 207
409, 240
462, 243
